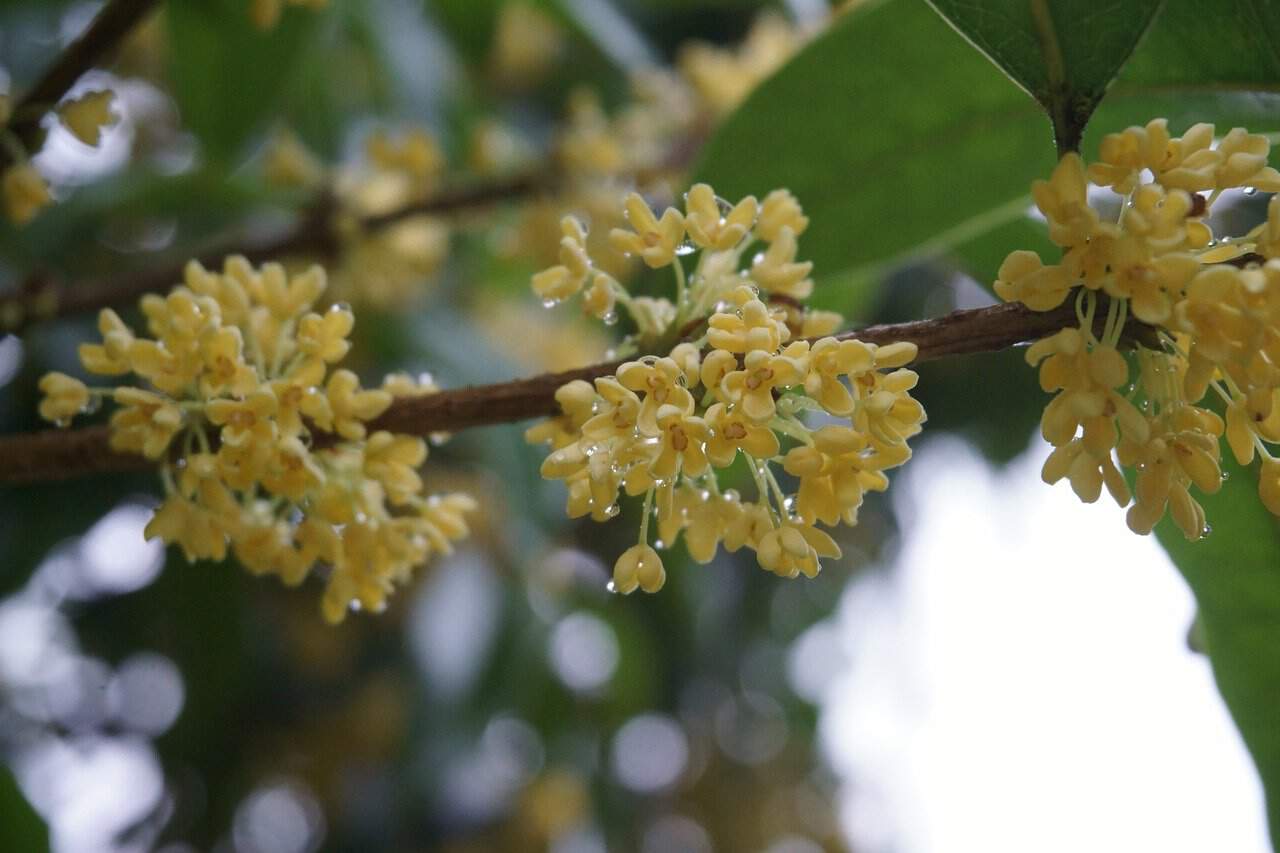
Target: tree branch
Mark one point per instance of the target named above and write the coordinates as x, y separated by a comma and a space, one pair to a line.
41, 298
65, 454
106, 31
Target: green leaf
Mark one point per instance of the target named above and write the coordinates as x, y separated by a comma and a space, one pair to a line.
896, 157
1235, 575
1063, 52
888, 150
20, 827
228, 77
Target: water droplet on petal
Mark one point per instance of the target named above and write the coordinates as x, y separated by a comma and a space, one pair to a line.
686, 247
757, 259
609, 318
1208, 528
340, 306
550, 303
1250, 190
659, 544
1226, 475
611, 510
611, 587
355, 606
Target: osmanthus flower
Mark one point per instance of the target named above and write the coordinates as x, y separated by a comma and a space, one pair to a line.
653, 240
733, 389
263, 447
777, 270
713, 225
1133, 401
566, 278
752, 388
86, 115
25, 193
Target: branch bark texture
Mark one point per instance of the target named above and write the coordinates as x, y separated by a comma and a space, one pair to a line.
52, 455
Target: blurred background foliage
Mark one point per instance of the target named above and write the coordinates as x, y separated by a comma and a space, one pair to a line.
505, 701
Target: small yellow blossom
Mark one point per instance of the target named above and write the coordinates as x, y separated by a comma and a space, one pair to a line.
655, 241
86, 115
25, 193
64, 397
780, 209
777, 270
713, 228
288, 163
638, 567
564, 280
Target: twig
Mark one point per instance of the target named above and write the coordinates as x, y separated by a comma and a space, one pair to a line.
106, 31
65, 454
40, 298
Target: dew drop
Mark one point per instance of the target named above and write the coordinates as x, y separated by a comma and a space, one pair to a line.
659, 544
1250, 190
550, 303
1226, 475
686, 247
1208, 528
355, 606
611, 511
611, 353
611, 587
340, 306
758, 259
438, 439
609, 318
1211, 244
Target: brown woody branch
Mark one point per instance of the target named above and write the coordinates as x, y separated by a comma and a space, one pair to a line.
104, 33
42, 298
65, 454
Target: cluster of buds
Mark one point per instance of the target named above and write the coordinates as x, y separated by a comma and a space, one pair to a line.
24, 189
1212, 309
666, 427
378, 267
261, 439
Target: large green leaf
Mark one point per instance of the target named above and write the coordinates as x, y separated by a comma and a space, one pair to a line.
1063, 52
899, 154
228, 77
887, 149
1235, 575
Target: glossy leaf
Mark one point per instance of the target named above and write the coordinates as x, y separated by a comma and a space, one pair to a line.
228, 77
1235, 575
1065, 53
888, 150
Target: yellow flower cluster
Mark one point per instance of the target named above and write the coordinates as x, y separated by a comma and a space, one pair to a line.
379, 267
722, 232
664, 427
262, 440
1213, 312
23, 188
